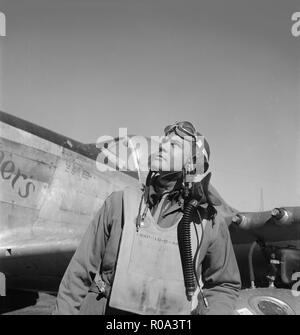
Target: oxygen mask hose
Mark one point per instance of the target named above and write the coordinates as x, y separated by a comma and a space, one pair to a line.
185, 247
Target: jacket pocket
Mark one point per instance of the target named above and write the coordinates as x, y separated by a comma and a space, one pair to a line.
93, 304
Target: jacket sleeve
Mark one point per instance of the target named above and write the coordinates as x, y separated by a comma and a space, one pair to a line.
220, 273
84, 264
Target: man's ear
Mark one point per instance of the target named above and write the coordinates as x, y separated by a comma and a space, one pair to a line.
211, 198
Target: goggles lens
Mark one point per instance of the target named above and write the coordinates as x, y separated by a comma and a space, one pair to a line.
182, 129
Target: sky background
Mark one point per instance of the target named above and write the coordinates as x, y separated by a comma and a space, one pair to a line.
86, 68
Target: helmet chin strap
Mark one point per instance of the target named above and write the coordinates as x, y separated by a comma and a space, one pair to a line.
159, 183
166, 175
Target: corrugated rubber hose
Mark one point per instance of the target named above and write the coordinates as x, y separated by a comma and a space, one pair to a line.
185, 247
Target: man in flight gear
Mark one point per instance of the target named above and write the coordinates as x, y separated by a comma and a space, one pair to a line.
164, 249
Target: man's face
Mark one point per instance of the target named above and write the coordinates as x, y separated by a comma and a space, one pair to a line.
174, 153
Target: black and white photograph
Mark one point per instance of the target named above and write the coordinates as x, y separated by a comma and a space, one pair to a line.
149, 160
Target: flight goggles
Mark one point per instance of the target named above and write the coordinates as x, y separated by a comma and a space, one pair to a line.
182, 129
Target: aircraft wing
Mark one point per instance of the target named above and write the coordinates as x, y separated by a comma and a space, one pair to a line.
278, 225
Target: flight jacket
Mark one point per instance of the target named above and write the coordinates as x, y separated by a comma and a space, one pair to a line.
86, 284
